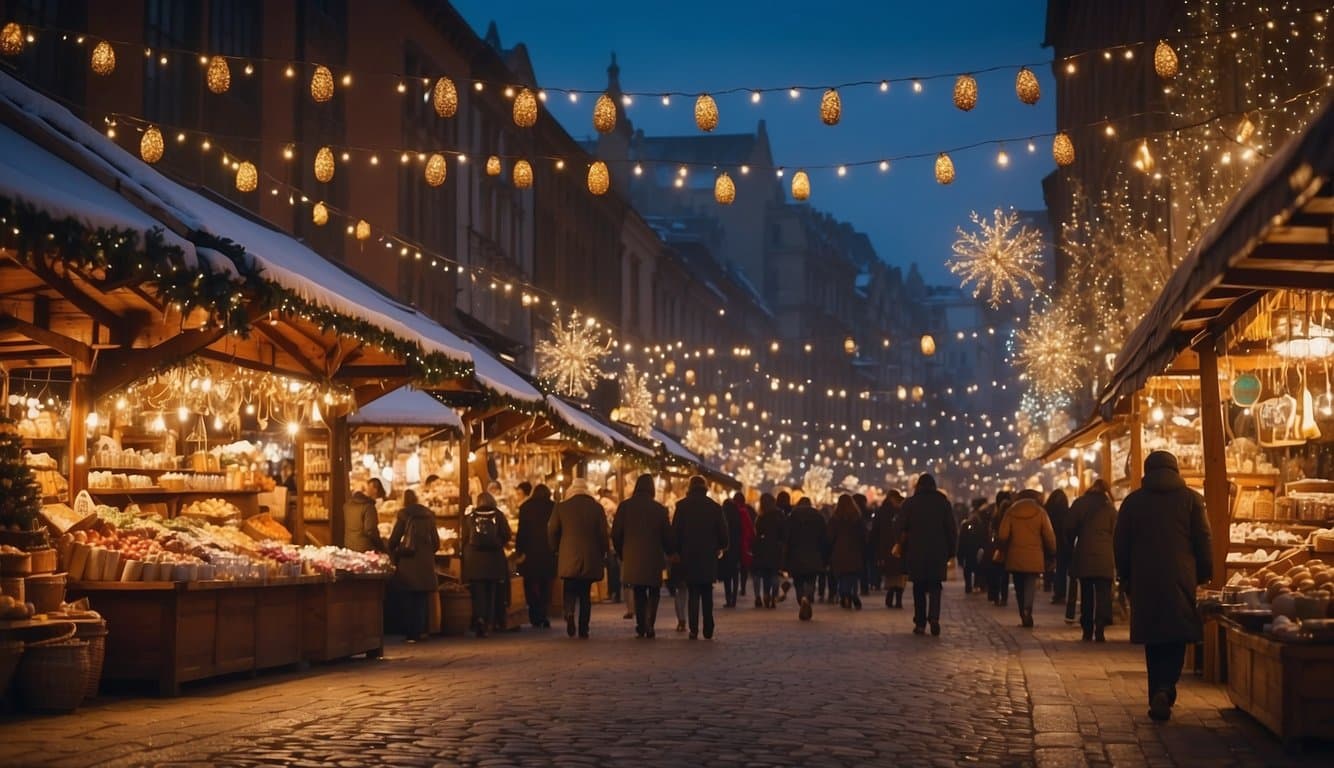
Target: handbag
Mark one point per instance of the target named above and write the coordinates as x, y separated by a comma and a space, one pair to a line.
406, 547
998, 552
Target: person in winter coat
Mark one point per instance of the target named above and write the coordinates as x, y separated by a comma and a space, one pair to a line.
1162, 551
700, 536
642, 537
1058, 512
784, 500
578, 534
412, 545
972, 538
998, 581
767, 552
847, 551
1093, 561
729, 565
747, 540
361, 523
1029, 544
538, 563
807, 542
484, 536
929, 540
885, 538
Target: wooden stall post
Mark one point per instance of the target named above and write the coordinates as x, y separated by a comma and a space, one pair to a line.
1215, 457
1136, 474
340, 459
80, 405
465, 447
1107, 467
1079, 472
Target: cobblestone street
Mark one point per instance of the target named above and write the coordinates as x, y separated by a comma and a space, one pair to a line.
846, 689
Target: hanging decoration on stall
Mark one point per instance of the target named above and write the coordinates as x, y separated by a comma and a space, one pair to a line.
701, 439
570, 360
636, 407
1246, 390
1001, 258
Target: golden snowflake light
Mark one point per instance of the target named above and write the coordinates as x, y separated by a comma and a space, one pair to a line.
525, 109
322, 84
493, 166
445, 97
523, 174
636, 407
831, 107
1047, 350
1000, 258
151, 145
1026, 86
103, 60
219, 76
604, 114
965, 92
724, 191
701, 439
706, 112
569, 359
777, 468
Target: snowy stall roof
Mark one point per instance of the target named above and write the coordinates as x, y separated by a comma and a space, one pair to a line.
406, 407
577, 419
674, 447
282, 259
493, 374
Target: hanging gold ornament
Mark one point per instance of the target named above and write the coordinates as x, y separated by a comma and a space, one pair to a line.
801, 186
944, 169
1026, 86
319, 214
831, 107
724, 191
1165, 61
525, 109
523, 174
436, 169
151, 145
247, 177
321, 84
928, 345
324, 165
11, 39
104, 59
446, 97
706, 112
599, 180
965, 92
363, 230
1063, 149
219, 75
604, 114
493, 166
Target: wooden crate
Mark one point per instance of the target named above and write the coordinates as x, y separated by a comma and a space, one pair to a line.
1288, 687
344, 617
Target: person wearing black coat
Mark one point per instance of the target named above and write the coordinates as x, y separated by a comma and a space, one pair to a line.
998, 579
884, 536
537, 565
784, 501
1058, 512
972, 537
1162, 542
1092, 518
807, 543
700, 536
484, 563
767, 551
847, 551
930, 539
642, 536
729, 565
578, 533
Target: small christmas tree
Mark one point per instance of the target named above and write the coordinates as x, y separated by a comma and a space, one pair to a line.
20, 494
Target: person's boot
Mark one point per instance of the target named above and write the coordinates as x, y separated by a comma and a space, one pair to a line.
1160, 707
759, 603
898, 598
889, 598
935, 629
1027, 621
1088, 635
806, 611
856, 602
785, 587
1098, 636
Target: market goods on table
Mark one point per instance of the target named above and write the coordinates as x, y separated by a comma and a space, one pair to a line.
1295, 589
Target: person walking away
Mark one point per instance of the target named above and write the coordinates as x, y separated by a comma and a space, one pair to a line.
847, 551
998, 581
885, 535
608, 504
784, 500
1029, 544
972, 537
484, 536
700, 537
361, 521
412, 545
1161, 542
1093, 559
824, 581
1058, 512
807, 543
870, 577
642, 537
929, 539
537, 563
729, 565
578, 534
747, 516
767, 552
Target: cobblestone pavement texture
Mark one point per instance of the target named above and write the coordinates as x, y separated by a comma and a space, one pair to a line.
845, 689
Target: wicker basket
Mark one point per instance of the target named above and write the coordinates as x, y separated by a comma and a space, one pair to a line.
15, 563
43, 560
95, 634
46, 592
13, 587
52, 674
10, 653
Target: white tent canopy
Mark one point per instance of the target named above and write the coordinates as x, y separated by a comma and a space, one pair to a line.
406, 408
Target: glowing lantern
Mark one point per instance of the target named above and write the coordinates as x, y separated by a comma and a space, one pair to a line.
446, 97
493, 166
324, 165
1165, 61
724, 191
1026, 86
247, 177
525, 109
151, 145
706, 112
604, 114
363, 230
1063, 149
944, 169
436, 169
850, 345
219, 75
104, 59
11, 39
321, 84
928, 345
965, 92
599, 179
801, 186
523, 175
831, 107
320, 214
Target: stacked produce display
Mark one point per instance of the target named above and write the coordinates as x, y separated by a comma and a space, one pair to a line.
1290, 599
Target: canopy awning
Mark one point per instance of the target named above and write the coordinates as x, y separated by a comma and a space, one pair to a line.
407, 407
1082, 436
1274, 234
679, 454
588, 425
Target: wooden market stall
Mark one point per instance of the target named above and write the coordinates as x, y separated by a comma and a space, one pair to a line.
112, 276
1247, 317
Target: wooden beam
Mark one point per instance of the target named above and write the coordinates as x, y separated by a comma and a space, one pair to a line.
1298, 235
71, 348
1261, 275
82, 301
1294, 255
361, 372
116, 368
1136, 442
290, 347
1215, 458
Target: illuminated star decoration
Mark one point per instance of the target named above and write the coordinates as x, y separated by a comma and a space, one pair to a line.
815, 483
701, 439
777, 468
569, 359
1048, 351
636, 401
997, 259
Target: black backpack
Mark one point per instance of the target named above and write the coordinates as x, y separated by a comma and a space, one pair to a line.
484, 531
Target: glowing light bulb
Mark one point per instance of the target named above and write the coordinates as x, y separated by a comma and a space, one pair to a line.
183, 414
293, 428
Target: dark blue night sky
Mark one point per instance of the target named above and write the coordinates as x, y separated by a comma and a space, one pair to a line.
699, 45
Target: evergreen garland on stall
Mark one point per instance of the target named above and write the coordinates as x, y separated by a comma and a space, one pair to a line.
20, 493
